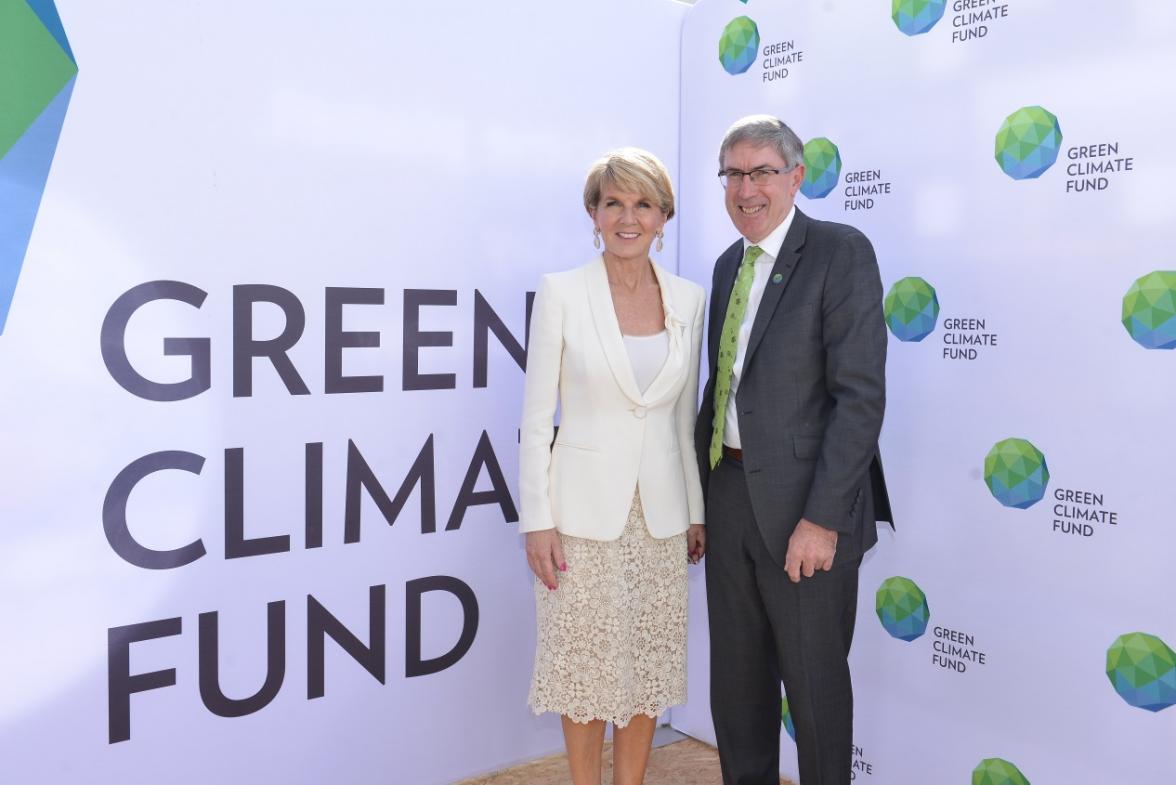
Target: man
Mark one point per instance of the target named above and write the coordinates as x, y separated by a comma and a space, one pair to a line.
787, 444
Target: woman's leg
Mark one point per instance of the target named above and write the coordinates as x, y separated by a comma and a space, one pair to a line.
631, 746
584, 741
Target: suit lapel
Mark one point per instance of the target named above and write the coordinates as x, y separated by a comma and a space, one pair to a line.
670, 375
608, 330
782, 270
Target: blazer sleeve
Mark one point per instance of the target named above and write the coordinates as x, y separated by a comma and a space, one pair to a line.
855, 376
540, 393
686, 408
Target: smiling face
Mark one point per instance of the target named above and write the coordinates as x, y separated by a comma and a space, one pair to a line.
627, 221
758, 209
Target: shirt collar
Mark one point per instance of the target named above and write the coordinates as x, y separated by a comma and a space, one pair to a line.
772, 244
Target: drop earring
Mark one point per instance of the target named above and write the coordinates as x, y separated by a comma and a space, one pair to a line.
596, 237
660, 244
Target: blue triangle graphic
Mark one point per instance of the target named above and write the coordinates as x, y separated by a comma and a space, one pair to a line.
46, 11
23, 172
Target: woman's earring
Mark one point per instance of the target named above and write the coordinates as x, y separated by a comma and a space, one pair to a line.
596, 236
660, 245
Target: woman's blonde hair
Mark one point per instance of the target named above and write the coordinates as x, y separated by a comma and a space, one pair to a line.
633, 170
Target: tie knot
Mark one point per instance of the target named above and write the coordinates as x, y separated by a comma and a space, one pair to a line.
752, 253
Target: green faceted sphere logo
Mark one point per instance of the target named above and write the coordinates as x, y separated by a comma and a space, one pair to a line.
1015, 473
995, 771
822, 168
1149, 310
1028, 142
902, 608
786, 717
915, 17
738, 45
1142, 669
911, 308
37, 76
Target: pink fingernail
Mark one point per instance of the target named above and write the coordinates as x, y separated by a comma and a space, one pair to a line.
563, 567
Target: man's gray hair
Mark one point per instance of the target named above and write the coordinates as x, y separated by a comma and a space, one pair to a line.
763, 130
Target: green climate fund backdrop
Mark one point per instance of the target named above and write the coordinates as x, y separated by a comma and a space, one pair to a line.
1012, 164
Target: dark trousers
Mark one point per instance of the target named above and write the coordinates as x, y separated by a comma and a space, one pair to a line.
764, 630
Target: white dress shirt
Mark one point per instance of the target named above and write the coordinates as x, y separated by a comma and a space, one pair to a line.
770, 246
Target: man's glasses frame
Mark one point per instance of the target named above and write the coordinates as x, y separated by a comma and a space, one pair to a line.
733, 178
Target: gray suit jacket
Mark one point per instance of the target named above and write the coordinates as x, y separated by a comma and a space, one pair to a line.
813, 387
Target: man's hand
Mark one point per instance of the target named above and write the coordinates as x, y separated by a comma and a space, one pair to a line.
810, 548
545, 555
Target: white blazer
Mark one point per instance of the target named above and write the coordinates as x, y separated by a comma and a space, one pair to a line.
612, 438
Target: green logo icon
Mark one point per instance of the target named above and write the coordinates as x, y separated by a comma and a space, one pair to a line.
902, 608
822, 168
1149, 310
738, 45
37, 71
994, 771
1015, 473
786, 717
915, 17
1142, 669
1028, 142
911, 309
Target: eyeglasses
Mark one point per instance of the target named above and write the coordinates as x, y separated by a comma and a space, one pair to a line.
733, 178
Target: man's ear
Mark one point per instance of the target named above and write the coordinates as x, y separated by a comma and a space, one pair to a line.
797, 178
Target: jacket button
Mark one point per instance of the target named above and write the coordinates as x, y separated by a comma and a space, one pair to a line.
639, 412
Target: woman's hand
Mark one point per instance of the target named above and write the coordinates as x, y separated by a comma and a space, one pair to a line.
545, 555
695, 543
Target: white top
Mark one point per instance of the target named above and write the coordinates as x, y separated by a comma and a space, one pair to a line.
647, 355
770, 246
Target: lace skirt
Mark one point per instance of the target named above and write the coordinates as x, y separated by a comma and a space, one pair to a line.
611, 639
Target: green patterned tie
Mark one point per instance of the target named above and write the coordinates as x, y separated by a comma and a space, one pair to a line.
729, 347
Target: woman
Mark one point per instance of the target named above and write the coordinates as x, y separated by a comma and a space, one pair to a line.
612, 510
